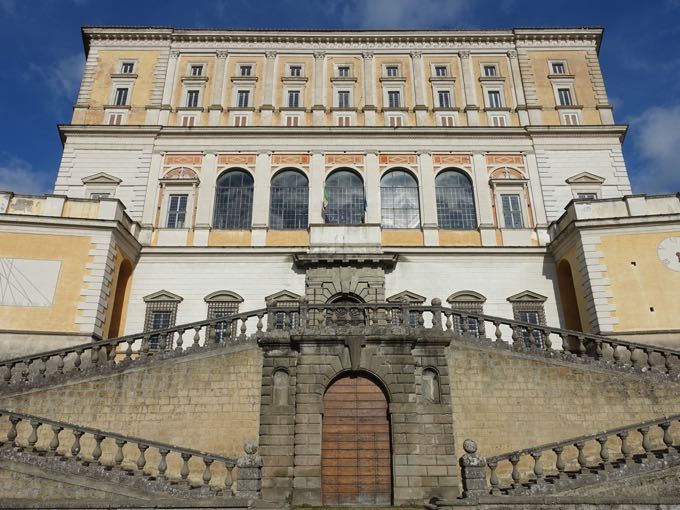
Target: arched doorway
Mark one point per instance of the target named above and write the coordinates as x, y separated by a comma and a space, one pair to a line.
356, 467
565, 281
120, 300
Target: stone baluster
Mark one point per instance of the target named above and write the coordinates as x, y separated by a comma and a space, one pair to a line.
464, 324
163, 464
180, 340
128, 350
498, 333
249, 480
7, 374
260, 324
12, 432
207, 475
141, 460
197, 338
604, 451
449, 323
514, 460
79, 360
580, 345
405, 313
538, 467
94, 355
625, 447
112, 354
581, 455
33, 438
649, 360
25, 371
228, 479
97, 451
616, 354
421, 319
43, 366
120, 456
244, 328
667, 436
75, 448
559, 461
436, 313
516, 336
54, 442
473, 471
184, 471
493, 478
146, 346
60, 363
646, 443
547, 342
481, 327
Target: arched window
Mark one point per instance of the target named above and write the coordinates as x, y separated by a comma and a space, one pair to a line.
233, 201
343, 200
455, 201
399, 203
289, 201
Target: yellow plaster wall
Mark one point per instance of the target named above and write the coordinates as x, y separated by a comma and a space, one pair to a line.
26, 205
307, 89
503, 71
405, 64
179, 99
637, 288
72, 251
232, 68
410, 237
357, 72
229, 238
460, 238
287, 238
77, 209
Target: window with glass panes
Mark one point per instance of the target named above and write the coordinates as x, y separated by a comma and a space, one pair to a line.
564, 95
392, 71
534, 315
121, 96
440, 71
444, 97
394, 99
490, 70
344, 202
222, 331
455, 201
192, 98
160, 315
399, 201
233, 201
293, 99
196, 70
127, 67
343, 71
558, 68
343, 99
463, 308
177, 210
243, 98
246, 70
511, 205
295, 70
494, 97
289, 202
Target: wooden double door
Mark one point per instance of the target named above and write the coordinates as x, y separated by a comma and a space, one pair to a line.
355, 448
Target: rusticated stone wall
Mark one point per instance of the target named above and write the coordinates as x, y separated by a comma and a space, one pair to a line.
507, 401
206, 401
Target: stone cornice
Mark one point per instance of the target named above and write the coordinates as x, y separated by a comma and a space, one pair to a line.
329, 39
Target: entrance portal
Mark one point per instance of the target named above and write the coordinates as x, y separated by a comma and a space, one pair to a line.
355, 448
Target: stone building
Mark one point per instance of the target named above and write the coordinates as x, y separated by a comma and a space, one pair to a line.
360, 201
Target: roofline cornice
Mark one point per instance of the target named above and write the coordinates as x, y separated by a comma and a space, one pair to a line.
224, 37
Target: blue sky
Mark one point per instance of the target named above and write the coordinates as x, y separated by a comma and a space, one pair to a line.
42, 61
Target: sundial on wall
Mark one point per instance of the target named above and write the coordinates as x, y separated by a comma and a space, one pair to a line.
669, 253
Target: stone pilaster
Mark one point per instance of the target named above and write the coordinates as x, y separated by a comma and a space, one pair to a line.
217, 91
319, 108
267, 108
428, 207
518, 89
369, 89
169, 88
419, 88
471, 104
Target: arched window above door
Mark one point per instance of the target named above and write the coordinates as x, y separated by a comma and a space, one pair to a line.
344, 202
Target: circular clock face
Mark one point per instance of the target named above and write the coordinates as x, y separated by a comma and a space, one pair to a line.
669, 253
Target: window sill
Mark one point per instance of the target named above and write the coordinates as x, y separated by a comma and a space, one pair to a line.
561, 76
289, 79
117, 107
447, 109
343, 109
392, 79
569, 107
498, 109
241, 109
442, 79
243, 78
123, 76
300, 109
195, 78
394, 109
335, 79
492, 78
190, 109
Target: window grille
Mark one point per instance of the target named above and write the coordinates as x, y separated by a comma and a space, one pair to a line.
293, 316
455, 201
512, 211
344, 202
177, 210
472, 324
233, 201
399, 201
160, 315
289, 201
222, 331
529, 308
532, 317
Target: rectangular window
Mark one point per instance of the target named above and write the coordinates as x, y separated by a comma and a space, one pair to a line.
490, 70
499, 120
115, 119
127, 67
343, 71
565, 97
440, 71
343, 99
222, 331
344, 120
192, 98
177, 211
494, 97
512, 211
197, 70
293, 99
444, 98
121, 96
394, 99
292, 121
295, 70
559, 68
242, 98
160, 315
396, 121
188, 120
570, 119
532, 317
447, 121
392, 71
240, 120
246, 70
586, 196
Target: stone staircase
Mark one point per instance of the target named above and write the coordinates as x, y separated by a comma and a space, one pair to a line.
577, 466
375, 319
86, 462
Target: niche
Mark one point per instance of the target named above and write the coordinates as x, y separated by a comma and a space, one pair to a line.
430, 386
280, 393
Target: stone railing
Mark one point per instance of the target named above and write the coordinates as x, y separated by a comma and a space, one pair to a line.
546, 464
173, 467
425, 321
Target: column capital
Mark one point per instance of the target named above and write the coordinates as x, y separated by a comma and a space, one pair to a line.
367, 54
222, 54
416, 54
174, 53
512, 54
270, 54
319, 55
210, 153
464, 54
424, 153
264, 153
371, 153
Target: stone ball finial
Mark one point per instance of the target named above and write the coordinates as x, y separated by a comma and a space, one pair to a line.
436, 302
469, 446
250, 447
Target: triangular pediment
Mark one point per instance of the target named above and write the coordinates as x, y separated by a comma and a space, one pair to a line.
283, 295
527, 295
466, 296
101, 178
162, 295
222, 296
585, 178
408, 296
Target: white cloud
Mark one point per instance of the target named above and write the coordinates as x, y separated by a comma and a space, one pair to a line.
63, 77
657, 141
404, 13
18, 175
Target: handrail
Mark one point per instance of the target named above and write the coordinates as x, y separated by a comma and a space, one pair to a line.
606, 457
122, 460
303, 317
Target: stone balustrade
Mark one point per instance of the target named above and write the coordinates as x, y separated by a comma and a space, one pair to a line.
168, 466
541, 467
425, 322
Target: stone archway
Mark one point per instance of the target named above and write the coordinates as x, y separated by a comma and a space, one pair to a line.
356, 467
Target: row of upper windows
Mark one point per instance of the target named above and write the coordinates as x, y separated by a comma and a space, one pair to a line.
345, 203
